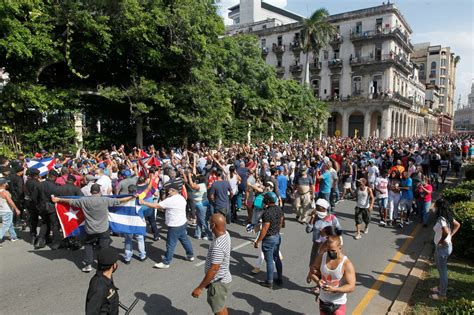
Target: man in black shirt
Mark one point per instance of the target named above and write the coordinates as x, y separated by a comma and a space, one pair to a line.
102, 295
220, 194
272, 219
49, 219
32, 188
16, 188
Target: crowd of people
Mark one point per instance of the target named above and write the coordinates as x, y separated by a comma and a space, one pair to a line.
203, 189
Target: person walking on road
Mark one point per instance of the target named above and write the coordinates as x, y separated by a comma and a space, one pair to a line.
218, 278
335, 275
6, 212
365, 204
445, 228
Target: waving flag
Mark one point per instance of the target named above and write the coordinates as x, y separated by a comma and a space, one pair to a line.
43, 165
126, 218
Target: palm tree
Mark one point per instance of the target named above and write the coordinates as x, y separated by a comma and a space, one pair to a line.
316, 34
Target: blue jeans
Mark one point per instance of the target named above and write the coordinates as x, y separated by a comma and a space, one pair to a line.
176, 233
441, 257
202, 214
425, 211
129, 245
7, 219
271, 250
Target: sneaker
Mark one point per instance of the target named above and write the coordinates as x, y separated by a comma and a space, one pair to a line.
142, 259
358, 237
249, 228
205, 238
400, 225
87, 268
438, 297
266, 284
14, 239
434, 289
161, 266
156, 238
191, 258
366, 230
255, 270
382, 223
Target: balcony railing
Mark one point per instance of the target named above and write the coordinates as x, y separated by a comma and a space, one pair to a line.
380, 33
296, 68
264, 51
391, 58
336, 40
278, 49
335, 63
315, 66
296, 45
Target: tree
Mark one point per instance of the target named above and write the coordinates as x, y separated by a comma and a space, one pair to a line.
316, 34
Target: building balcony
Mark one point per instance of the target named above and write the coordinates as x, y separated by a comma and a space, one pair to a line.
296, 46
278, 49
315, 66
265, 51
336, 40
432, 75
280, 71
386, 33
381, 62
335, 64
295, 69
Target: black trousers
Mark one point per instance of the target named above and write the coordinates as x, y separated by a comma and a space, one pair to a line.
50, 223
33, 216
100, 240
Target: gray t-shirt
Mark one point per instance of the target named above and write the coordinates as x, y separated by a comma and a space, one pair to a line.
96, 212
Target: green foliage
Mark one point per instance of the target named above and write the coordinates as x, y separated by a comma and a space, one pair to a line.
467, 185
58, 138
454, 195
469, 172
464, 241
457, 307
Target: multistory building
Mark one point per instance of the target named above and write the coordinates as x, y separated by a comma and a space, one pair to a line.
464, 115
365, 73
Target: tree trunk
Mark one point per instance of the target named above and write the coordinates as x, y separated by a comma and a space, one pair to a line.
305, 79
78, 130
139, 131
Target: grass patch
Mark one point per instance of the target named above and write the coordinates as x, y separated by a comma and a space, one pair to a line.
460, 285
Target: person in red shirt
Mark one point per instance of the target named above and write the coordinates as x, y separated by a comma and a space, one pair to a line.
425, 191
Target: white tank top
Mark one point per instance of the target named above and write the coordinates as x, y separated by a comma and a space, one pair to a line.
4, 206
233, 185
363, 198
334, 279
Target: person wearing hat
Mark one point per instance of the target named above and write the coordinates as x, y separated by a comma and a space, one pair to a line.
127, 180
6, 212
96, 213
272, 221
17, 188
102, 295
320, 219
47, 210
32, 188
175, 218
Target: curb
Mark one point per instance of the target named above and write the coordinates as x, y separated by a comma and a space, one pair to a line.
400, 305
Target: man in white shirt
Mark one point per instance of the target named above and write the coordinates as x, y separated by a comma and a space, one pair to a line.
175, 218
105, 183
372, 173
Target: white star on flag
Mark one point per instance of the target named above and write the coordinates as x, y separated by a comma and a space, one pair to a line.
71, 214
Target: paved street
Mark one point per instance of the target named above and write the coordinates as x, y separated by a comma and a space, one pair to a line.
49, 282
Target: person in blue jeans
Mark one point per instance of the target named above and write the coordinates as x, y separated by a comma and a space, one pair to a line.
139, 238
201, 206
6, 212
175, 218
445, 228
325, 180
272, 221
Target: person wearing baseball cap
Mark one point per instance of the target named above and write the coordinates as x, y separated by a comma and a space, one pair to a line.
102, 295
6, 212
320, 219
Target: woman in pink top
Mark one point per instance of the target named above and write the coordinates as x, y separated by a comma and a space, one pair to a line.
425, 191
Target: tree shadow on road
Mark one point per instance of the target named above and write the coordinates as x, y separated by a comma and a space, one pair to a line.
158, 304
260, 306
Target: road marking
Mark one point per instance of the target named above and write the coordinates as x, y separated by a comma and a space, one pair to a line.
233, 249
380, 280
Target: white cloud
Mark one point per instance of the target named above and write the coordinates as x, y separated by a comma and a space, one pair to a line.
224, 4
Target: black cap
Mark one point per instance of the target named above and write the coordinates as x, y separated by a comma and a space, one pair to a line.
34, 171
17, 168
53, 173
107, 256
71, 178
95, 189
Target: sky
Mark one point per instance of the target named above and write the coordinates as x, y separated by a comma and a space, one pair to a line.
440, 22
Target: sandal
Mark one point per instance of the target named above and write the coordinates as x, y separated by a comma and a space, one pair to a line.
438, 297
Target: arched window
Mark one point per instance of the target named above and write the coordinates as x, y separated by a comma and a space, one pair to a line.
433, 69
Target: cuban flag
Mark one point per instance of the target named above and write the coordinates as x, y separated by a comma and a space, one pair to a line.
126, 218
145, 162
43, 165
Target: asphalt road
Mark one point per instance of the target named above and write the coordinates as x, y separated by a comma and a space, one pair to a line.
50, 282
